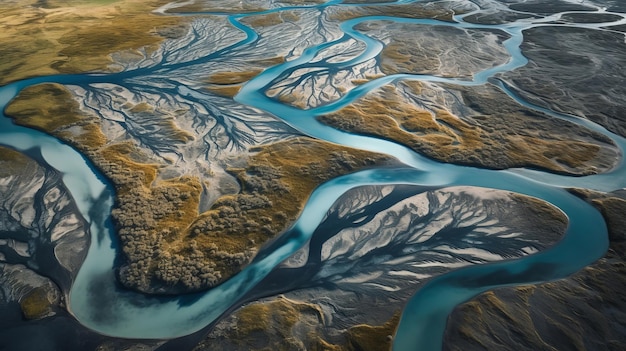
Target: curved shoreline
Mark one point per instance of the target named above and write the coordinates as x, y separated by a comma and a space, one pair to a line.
139, 319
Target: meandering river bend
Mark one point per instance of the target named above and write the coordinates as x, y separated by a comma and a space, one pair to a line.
123, 313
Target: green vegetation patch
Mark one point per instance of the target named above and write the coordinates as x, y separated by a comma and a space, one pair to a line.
169, 246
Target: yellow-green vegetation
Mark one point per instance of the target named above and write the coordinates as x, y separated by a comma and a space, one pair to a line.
365, 337
11, 162
281, 314
36, 304
274, 188
243, 6
48, 37
164, 123
270, 19
225, 91
51, 108
489, 306
231, 77
169, 246
286, 324
278, 324
38, 107
366, 79
266, 20
294, 98
552, 219
580, 312
402, 56
228, 83
503, 136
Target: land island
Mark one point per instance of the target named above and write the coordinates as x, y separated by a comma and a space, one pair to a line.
208, 179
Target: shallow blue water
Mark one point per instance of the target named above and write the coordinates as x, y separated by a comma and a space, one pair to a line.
99, 305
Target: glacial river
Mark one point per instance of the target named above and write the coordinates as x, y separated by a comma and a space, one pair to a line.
97, 303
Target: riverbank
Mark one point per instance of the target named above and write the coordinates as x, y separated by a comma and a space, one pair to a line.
583, 311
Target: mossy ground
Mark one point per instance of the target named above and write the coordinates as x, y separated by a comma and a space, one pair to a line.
38, 107
220, 7
36, 304
411, 10
55, 36
582, 312
365, 337
228, 83
505, 137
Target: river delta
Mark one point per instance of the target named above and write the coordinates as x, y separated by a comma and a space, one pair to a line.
312, 175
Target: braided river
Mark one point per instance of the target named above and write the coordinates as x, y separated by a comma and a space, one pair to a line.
122, 313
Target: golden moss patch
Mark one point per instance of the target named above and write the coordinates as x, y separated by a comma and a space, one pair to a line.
11, 162
494, 143
365, 337
278, 324
285, 324
36, 304
229, 91
211, 6
281, 314
267, 20
274, 188
41, 38
169, 246
51, 108
231, 77
228, 83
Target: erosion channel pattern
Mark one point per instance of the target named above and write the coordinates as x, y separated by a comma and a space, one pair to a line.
312, 175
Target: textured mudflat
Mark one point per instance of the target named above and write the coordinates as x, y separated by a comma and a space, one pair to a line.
576, 71
541, 316
477, 126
